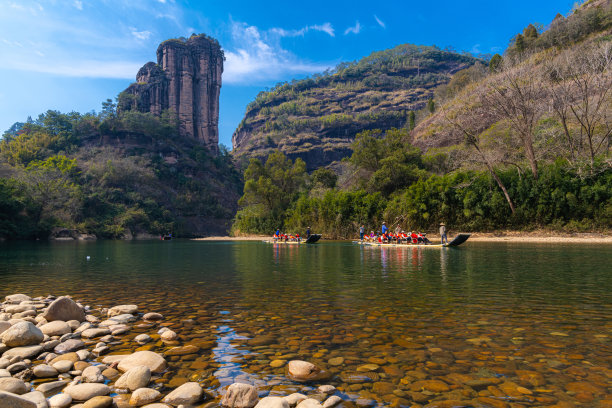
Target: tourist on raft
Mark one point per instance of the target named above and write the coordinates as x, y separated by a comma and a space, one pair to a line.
443, 237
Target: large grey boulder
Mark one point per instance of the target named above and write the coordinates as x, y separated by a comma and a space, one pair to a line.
10, 400
64, 308
240, 395
154, 361
22, 334
187, 394
135, 378
69, 346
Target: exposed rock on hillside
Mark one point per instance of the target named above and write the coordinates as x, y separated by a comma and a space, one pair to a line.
317, 119
187, 80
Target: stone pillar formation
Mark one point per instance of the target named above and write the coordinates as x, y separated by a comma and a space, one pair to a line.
186, 79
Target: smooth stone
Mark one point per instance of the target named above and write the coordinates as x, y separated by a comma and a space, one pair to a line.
135, 378
295, 398
4, 326
4, 373
13, 385
64, 308
111, 373
50, 386
69, 346
142, 338
50, 345
83, 355
81, 365
272, 402
44, 371
10, 400
188, 394
303, 371
17, 309
154, 361
4, 362
336, 361
277, 363
182, 350
153, 316
92, 374
22, 334
17, 298
114, 358
122, 309
239, 395
169, 336
327, 389
74, 357
63, 366
55, 328
157, 405
38, 398
122, 318
83, 326
60, 401
332, 401
309, 403
17, 367
84, 392
119, 329
73, 324
97, 332
99, 402
144, 396
23, 352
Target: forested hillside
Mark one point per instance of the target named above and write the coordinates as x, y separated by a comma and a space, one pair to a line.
524, 142
111, 175
316, 119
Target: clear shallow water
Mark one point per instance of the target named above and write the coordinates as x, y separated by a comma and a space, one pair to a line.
387, 323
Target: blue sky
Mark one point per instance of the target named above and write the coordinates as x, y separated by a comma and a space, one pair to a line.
73, 54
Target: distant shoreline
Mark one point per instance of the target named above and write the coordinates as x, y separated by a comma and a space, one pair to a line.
505, 236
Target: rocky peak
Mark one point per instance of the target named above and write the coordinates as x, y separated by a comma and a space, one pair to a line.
187, 80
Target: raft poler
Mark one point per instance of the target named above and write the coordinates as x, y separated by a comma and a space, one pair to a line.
443, 237
307, 232
384, 228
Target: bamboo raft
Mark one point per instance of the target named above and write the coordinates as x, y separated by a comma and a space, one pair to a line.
458, 240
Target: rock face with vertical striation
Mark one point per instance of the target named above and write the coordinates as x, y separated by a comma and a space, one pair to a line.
186, 80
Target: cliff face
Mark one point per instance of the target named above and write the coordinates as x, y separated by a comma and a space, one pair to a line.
187, 80
317, 118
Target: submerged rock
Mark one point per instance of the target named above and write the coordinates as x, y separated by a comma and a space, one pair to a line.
303, 371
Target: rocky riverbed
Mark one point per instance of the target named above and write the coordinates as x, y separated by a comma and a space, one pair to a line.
56, 354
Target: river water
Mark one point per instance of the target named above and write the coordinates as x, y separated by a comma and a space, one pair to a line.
515, 325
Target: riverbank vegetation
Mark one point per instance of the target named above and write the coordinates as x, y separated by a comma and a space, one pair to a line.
112, 175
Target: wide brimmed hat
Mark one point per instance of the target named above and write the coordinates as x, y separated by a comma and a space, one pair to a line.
442, 223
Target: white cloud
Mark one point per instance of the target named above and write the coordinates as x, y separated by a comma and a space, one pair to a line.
379, 21
83, 69
78, 4
141, 35
39, 53
475, 49
354, 30
325, 27
257, 56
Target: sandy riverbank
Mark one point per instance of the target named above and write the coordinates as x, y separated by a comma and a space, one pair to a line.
500, 236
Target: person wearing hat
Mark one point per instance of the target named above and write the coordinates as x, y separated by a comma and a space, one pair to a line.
443, 233
384, 229
307, 232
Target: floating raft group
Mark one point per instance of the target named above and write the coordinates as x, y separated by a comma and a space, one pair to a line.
458, 240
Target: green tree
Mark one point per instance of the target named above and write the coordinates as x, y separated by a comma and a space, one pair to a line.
495, 63
530, 32
431, 106
324, 177
411, 120
519, 43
